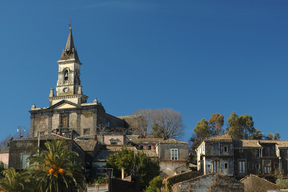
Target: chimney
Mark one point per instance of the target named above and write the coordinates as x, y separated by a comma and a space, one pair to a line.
122, 173
51, 93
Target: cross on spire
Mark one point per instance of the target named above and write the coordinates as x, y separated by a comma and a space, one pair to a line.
70, 22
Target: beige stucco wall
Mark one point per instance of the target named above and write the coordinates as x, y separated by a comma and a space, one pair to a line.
4, 157
119, 138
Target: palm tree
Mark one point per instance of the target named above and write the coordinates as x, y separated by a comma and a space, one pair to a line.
14, 181
54, 168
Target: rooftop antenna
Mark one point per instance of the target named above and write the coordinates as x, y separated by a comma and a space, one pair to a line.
70, 22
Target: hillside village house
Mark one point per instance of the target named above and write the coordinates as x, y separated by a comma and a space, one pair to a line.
222, 154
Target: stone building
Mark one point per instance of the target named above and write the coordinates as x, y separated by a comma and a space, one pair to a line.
238, 158
172, 156
68, 113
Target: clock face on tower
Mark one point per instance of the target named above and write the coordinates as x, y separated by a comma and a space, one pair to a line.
65, 90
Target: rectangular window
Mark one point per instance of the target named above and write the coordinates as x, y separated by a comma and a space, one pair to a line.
63, 121
242, 166
113, 142
257, 166
225, 165
86, 131
225, 149
141, 147
149, 147
216, 166
267, 170
257, 152
267, 166
174, 154
24, 160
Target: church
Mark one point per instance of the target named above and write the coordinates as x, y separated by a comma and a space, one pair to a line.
68, 113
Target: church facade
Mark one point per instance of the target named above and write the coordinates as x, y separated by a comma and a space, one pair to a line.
68, 113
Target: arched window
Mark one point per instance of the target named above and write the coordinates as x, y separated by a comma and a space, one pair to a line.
66, 75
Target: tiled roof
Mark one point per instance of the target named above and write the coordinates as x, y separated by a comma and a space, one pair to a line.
87, 145
119, 148
222, 137
282, 143
254, 183
150, 153
147, 140
257, 143
172, 141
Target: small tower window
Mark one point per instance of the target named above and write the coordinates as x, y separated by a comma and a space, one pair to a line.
66, 75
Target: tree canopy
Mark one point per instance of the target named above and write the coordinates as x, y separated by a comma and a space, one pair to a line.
146, 168
238, 127
205, 129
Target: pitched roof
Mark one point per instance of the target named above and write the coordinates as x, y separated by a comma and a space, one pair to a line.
172, 141
150, 153
147, 140
69, 52
254, 183
222, 137
87, 145
258, 143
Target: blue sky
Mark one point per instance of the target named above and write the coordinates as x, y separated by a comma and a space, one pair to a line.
196, 57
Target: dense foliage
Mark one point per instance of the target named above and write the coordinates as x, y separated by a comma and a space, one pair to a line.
126, 158
155, 184
14, 181
238, 127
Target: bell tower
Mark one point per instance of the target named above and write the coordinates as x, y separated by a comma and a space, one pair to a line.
68, 84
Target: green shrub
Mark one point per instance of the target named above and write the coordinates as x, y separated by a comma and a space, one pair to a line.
101, 180
282, 183
155, 185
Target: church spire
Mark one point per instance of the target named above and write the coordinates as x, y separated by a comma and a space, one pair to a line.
69, 52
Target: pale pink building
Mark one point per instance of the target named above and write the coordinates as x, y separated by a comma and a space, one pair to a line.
4, 156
